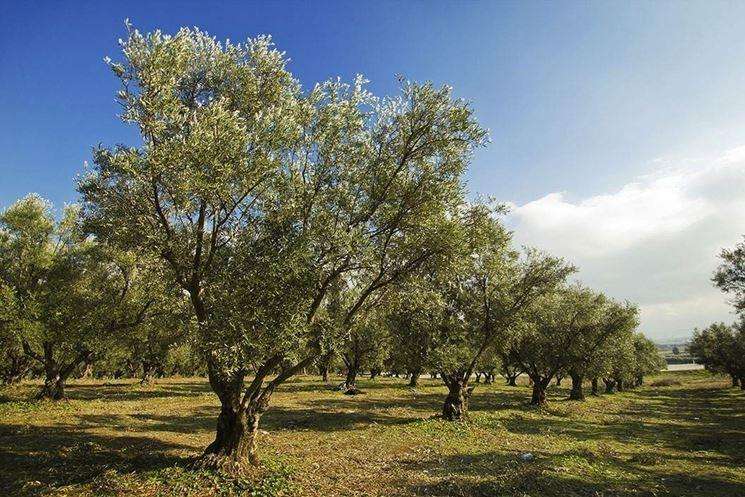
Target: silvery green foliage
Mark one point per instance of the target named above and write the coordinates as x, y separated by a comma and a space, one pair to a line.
572, 329
490, 288
261, 199
71, 295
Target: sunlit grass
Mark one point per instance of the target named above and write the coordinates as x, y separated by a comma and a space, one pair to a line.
117, 438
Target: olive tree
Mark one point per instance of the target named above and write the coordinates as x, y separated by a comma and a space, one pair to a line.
647, 360
730, 275
491, 286
600, 321
14, 364
72, 294
261, 199
721, 349
558, 332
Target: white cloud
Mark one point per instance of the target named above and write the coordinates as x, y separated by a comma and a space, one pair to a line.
655, 241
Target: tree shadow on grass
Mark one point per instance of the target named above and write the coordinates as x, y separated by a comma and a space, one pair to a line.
36, 460
568, 474
687, 420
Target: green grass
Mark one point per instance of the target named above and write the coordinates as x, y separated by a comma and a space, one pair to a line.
685, 437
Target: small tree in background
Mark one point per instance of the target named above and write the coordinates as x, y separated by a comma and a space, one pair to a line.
604, 319
509, 365
73, 296
550, 335
415, 310
490, 288
647, 360
720, 348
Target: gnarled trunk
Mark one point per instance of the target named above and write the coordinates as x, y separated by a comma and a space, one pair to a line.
350, 382
54, 385
538, 398
456, 403
478, 377
87, 370
414, 379
511, 380
558, 380
610, 385
594, 390
620, 387
374, 373
235, 441
735, 380
56, 374
489, 377
148, 369
576, 393
237, 425
639, 381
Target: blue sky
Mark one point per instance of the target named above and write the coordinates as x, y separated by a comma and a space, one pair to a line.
585, 101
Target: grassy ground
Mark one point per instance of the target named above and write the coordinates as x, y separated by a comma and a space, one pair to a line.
118, 438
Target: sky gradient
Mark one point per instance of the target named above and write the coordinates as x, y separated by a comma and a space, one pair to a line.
615, 126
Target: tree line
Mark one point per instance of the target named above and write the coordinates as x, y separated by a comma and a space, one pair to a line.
259, 231
721, 347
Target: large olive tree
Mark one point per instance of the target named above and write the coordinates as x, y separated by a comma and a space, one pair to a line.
263, 201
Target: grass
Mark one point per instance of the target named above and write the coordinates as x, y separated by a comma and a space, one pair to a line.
683, 437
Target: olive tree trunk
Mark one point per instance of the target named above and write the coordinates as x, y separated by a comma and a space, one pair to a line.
576, 393
148, 370
610, 385
456, 403
540, 384
414, 379
594, 390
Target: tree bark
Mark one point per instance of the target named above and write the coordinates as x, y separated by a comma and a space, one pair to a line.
488, 378
742, 384
576, 393
54, 385
414, 380
350, 382
478, 377
512, 380
538, 397
594, 386
735, 381
456, 403
610, 385
237, 426
56, 374
148, 369
87, 370
619, 385
235, 440
558, 380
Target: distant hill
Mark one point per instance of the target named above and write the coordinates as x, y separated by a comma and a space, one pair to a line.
676, 340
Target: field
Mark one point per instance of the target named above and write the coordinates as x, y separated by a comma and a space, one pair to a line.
683, 437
